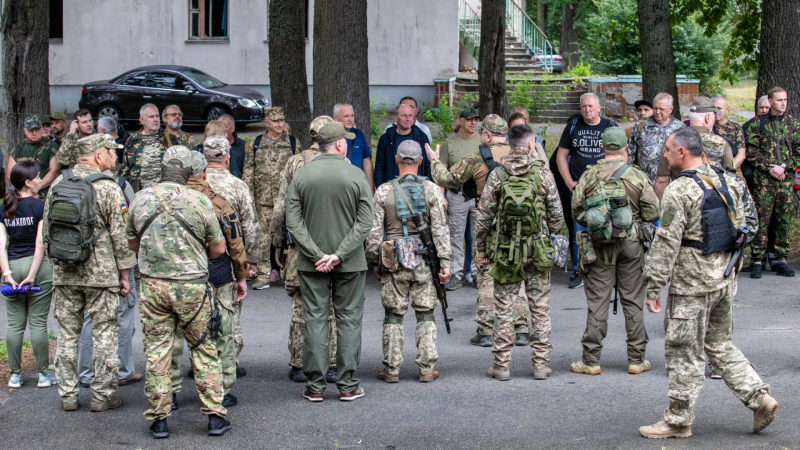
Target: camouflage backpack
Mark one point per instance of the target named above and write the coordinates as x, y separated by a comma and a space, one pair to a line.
518, 238
409, 196
607, 209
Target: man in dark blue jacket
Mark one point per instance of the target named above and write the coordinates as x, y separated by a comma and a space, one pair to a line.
238, 145
385, 166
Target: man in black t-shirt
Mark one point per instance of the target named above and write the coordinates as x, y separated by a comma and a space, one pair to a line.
578, 148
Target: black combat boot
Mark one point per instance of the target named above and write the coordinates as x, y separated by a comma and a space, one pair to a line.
159, 429
522, 339
482, 341
229, 400
175, 406
298, 375
781, 268
756, 272
332, 376
217, 426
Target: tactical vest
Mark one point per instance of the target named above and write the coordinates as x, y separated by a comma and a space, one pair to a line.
414, 191
718, 215
470, 188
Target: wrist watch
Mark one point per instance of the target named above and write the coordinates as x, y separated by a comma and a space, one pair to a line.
783, 165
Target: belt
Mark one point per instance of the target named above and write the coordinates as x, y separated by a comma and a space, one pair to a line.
693, 244
455, 190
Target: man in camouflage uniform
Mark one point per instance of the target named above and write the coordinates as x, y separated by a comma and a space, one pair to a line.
175, 232
699, 307
173, 120
644, 145
81, 127
408, 276
617, 265
235, 191
262, 170
731, 131
141, 160
520, 163
474, 170
96, 287
39, 149
773, 148
297, 328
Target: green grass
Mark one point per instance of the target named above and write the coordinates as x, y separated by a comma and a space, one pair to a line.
742, 95
4, 350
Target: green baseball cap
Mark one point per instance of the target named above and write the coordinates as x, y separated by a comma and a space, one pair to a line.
178, 157
614, 138
703, 105
198, 163
332, 132
495, 124
58, 116
32, 122
468, 113
317, 124
44, 118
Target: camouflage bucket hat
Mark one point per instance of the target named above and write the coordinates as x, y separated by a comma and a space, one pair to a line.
216, 146
317, 125
178, 157
32, 122
274, 113
95, 142
495, 124
198, 163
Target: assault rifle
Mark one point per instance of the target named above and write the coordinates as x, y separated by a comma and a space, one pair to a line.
615, 299
431, 258
286, 241
738, 248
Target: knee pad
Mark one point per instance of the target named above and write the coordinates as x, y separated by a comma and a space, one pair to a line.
392, 319
424, 316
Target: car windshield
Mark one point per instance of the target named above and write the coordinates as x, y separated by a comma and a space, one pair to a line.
203, 79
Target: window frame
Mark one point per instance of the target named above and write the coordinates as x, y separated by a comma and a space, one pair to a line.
200, 12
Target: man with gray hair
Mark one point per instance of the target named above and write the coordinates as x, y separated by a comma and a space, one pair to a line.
173, 121
358, 151
141, 159
644, 145
107, 125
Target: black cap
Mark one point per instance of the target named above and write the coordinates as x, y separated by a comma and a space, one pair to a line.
468, 113
644, 101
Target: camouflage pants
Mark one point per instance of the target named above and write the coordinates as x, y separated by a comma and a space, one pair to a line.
238, 336
772, 203
164, 305
694, 324
102, 303
485, 317
264, 219
537, 285
396, 288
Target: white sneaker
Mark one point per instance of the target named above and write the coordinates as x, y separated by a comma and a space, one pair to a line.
15, 382
44, 382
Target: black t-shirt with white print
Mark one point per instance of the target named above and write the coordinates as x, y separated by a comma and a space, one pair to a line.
583, 141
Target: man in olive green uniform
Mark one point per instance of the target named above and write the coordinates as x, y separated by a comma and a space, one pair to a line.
297, 328
175, 232
616, 265
141, 160
39, 149
470, 175
329, 213
699, 308
532, 263
262, 174
96, 287
402, 271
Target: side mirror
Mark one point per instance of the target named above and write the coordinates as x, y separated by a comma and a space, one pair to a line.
189, 88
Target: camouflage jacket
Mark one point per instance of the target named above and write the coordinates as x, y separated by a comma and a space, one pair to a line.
263, 166
185, 139
111, 253
773, 140
167, 250
731, 132
689, 272
141, 159
713, 145
41, 153
236, 193
229, 223
644, 203
68, 151
644, 146
279, 209
517, 162
385, 217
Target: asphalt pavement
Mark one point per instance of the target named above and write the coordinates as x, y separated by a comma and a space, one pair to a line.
463, 409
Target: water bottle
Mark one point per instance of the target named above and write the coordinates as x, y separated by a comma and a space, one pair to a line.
7, 289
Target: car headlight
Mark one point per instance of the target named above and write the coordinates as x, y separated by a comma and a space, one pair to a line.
246, 102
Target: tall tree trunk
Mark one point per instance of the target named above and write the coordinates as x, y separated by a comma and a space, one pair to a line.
569, 36
541, 14
658, 61
26, 67
492, 62
341, 70
779, 50
287, 64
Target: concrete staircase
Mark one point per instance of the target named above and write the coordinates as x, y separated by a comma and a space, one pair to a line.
518, 60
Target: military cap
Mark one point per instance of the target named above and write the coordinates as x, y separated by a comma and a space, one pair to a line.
58, 116
468, 113
644, 101
44, 118
216, 146
409, 150
703, 105
274, 113
95, 142
614, 138
198, 163
178, 157
332, 132
32, 122
317, 124
495, 124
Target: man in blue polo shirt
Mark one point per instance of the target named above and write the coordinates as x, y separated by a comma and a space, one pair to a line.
358, 150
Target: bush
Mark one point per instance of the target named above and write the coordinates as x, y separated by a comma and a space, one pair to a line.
580, 71
376, 115
446, 114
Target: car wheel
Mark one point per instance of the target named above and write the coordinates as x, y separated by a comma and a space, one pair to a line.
214, 113
109, 111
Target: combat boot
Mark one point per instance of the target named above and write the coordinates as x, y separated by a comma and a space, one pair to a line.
663, 430
522, 340
384, 375
756, 272
453, 284
159, 429
781, 268
541, 373
112, 403
69, 406
765, 413
217, 426
429, 377
174, 405
580, 367
332, 376
636, 369
229, 400
482, 341
260, 284
497, 374
298, 375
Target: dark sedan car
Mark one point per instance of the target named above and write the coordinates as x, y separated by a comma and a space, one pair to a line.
200, 96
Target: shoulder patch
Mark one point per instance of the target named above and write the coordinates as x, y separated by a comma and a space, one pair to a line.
667, 216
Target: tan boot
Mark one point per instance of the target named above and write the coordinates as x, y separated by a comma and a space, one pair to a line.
384, 375
763, 416
112, 403
663, 430
69, 406
580, 367
636, 369
541, 373
499, 375
428, 377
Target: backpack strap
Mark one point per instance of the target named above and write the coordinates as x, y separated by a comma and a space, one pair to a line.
257, 142
166, 207
293, 141
488, 158
622, 169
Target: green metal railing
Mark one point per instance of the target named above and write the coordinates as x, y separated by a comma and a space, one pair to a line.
469, 28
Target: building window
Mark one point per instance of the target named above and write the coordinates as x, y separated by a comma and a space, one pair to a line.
56, 19
208, 19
